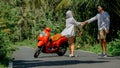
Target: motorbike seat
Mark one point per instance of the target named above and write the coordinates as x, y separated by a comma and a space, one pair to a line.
56, 37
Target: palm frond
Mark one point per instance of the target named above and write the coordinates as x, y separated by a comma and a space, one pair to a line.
63, 3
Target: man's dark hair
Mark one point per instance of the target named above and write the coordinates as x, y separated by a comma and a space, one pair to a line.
103, 7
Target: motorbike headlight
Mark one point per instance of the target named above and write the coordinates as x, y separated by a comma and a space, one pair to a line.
42, 34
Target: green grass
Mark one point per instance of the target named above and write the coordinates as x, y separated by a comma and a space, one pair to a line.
112, 48
3, 66
96, 48
29, 43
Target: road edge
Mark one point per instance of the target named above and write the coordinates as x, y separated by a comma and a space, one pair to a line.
10, 64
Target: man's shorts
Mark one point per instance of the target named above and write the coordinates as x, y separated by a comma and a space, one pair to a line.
102, 34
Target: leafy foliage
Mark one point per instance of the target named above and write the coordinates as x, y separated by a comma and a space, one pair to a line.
23, 20
114, 46
5, 49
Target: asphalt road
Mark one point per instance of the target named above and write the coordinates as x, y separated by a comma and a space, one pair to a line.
23, 58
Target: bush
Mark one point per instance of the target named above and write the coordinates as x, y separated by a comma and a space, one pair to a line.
5, 49
4, 43
114, 46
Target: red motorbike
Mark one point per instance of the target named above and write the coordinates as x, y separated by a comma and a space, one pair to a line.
56, 44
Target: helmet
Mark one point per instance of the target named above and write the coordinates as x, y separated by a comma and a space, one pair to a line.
47, 29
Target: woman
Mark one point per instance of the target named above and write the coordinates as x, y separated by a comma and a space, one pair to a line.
69, 30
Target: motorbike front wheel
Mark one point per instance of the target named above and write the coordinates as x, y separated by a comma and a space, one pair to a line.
62, 49
37, 52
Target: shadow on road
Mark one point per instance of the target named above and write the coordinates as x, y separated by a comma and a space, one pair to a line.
46, 56
37, 63
110, 58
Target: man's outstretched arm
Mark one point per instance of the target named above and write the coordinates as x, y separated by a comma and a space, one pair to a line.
89, 21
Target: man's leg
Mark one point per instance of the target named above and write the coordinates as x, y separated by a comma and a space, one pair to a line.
101, 43
102, 37
104, 46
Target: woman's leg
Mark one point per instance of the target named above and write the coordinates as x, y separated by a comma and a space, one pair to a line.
71, 40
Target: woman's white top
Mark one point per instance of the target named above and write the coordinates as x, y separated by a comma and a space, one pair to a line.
70, 23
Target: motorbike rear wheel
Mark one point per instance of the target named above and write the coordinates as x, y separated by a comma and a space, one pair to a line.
62, 49
37, 52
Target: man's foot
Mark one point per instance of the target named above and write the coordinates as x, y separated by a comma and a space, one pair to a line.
102, 55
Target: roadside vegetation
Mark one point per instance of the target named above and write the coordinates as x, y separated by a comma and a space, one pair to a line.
22, 20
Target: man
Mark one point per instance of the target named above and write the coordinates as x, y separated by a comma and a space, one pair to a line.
103, 20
